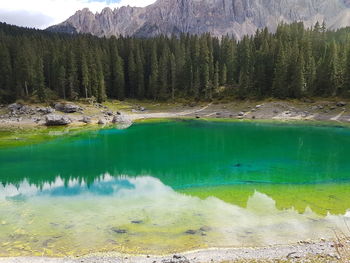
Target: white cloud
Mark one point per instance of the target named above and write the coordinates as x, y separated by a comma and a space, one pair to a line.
53, 11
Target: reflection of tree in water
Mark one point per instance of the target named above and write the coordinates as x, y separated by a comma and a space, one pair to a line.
144, 213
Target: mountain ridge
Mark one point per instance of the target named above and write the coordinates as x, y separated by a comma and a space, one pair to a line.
218, 17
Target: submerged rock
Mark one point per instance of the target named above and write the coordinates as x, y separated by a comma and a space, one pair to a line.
68, 108
137, 222
57, 120
119, 230
191, 232
205, 228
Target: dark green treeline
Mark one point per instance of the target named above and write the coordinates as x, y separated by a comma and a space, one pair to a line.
291, 63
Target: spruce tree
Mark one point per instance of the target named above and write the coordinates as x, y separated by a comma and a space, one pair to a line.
173, 75
216, 75
101, 88
140, 76
223, 75
5, 75
346, 85
336, 81
132, 76
279, 87
85, 81
153, 78
163, 73
205, 69
39, 81
72, 77
120, 78
62, 81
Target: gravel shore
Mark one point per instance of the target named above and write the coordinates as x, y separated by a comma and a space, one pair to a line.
79, 114
323, 251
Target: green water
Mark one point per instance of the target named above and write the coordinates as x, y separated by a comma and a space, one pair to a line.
141, 189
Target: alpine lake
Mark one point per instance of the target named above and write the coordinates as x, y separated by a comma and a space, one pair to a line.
169, 186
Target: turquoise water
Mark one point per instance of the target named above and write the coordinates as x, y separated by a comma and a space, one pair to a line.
233, 184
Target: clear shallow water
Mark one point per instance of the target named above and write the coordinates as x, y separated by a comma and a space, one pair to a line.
140, 190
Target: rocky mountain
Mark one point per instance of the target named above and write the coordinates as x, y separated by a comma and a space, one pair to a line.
219, 17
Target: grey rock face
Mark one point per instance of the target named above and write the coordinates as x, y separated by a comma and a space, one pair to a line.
57, 120
219, 17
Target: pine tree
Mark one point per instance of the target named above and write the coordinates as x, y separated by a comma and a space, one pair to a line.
196, 84
299, 80
295, 75
279, 87
120, 78
223, 75
310, 71
117, 83
85, 81
163, 73
132, 76
336, 81
101, 88
5, 75
140, 76
346, 85
188, 77
216, 76
153, 78
61, 78
39, 81
245, 75
173, 74
205, 69
72, 78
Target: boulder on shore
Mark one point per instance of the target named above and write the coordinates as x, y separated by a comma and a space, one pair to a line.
45, 110
17, 108
341, 104
57, 120
86, 119
68, 107
121, 119
101, 122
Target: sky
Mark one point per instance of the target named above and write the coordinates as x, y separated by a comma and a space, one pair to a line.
43, 13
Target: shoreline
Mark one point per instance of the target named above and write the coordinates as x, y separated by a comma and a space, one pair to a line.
321, 251
88, 115
26, 125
